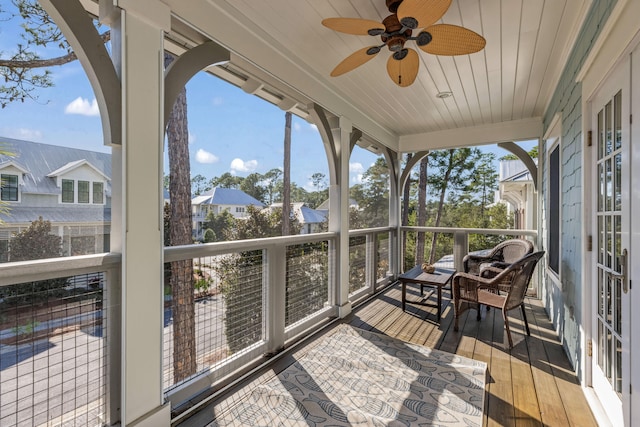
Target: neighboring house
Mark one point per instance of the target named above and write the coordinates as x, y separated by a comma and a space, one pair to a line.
324, 206
310, 220
516, 187
217, 201
67, 186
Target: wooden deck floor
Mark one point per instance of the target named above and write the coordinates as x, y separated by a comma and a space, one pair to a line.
531, 385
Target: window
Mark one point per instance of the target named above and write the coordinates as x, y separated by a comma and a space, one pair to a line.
67, 191
554, 209
83, 191
9, 188
98, 193
239, 209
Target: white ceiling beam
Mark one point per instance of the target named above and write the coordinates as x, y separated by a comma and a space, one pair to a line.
514, 130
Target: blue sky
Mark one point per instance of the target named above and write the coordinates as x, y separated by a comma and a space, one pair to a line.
230, 130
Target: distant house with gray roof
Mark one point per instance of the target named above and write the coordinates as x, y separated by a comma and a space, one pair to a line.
69, 187
217, 201
310, 220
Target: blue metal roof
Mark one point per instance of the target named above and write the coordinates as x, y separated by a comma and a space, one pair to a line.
42, 159
312, 216
226, 196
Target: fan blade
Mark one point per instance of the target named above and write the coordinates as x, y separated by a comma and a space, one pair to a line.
426, 12
452, 40
356, 26
354, 60
403, 72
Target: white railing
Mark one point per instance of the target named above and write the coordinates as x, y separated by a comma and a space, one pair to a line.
370, 260
60, 341
276, 290
286, 292
256, 295
456, 247
460, 246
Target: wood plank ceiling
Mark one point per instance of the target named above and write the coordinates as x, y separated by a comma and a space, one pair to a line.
513, 78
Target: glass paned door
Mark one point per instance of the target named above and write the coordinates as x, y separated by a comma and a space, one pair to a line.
611, 314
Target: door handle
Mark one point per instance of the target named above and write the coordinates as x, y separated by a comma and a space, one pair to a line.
622, 260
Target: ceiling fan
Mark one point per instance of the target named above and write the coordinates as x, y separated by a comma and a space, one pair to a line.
397, 28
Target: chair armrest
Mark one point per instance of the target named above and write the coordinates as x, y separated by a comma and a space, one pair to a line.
471, 263
500, 264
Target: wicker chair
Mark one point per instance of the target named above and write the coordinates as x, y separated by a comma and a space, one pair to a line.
470, 291
501, 256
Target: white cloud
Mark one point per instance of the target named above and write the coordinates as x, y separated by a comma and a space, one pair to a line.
24, 133
356, 167
312, 126
297, 127
83, 107
217, 101
203, 156
239, 165
192, 138
357, 179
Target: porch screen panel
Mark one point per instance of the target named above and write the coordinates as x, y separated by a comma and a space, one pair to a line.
382, 255
53, 360
227, 312
307, 289
357, 263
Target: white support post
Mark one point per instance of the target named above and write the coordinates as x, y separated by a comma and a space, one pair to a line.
339, 214
395, 215
138, 53
275, 301
371, 252
460, 249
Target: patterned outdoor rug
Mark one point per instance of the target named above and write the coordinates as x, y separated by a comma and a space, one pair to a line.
356, 377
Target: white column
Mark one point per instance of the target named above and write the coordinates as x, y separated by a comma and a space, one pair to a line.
138, 28
339, 215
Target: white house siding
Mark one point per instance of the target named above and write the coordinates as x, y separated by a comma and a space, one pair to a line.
564, 302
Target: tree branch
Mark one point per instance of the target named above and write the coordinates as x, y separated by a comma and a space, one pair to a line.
44, 63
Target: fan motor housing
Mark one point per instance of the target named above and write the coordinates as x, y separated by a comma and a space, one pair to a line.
392, 5
393, 38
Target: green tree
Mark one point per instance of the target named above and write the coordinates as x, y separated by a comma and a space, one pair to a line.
34, 242
373, 195
484, 182
263, 223
199, 185
209, 236
227, 180
24, 72
319, 181
241, 278
252, 185
533, 153
451, 170
222, 224
271, 179
422, 211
